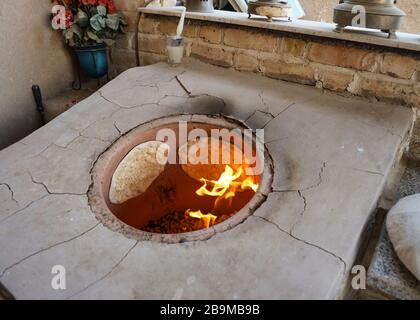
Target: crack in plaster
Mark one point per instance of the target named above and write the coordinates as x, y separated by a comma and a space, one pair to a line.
192, 96
169, 95
320, 174
275, 140
250, 116
53, 193
118, 129
161, 99
68, 145
220, 113
305, 206
153, 85
265, 106
302, 196
107, 274
80, 134
110, 101
46, 249
163, 96
263, 112
369, 172
305, 242
278, 114
80, 130
93, 137
313, 186
110, 116
22, 209
11, 191
181, 84
305, 202
156, 84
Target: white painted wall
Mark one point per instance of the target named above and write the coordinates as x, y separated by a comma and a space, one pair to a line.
30, 53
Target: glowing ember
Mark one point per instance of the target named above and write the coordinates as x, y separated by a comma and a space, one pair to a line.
224, 189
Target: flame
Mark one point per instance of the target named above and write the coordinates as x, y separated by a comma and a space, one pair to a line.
221, 186
207, 219
224, 189
248, 183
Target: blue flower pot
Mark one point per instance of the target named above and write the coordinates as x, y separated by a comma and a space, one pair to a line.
93, 60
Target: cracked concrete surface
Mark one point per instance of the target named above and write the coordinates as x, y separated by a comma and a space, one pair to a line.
331, 155
12, 194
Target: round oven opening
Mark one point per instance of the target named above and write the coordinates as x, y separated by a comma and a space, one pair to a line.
174, 180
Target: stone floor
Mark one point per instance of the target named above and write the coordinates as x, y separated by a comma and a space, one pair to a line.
332, 156
410, 182
387, 276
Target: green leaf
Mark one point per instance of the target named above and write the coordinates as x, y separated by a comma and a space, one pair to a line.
97, 22
101, 10
77, 31
113, 21
123, 22
92, 36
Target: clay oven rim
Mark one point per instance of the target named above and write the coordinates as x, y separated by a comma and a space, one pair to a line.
108, 161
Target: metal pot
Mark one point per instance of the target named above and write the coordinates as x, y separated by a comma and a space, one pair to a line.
271, 9
205, 6
380, 14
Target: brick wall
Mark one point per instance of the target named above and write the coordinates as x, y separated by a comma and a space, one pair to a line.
347, 68
123, 54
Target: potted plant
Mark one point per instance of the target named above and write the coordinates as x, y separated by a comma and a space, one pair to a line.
88, 26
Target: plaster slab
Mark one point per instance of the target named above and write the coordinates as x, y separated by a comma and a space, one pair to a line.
331, 156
